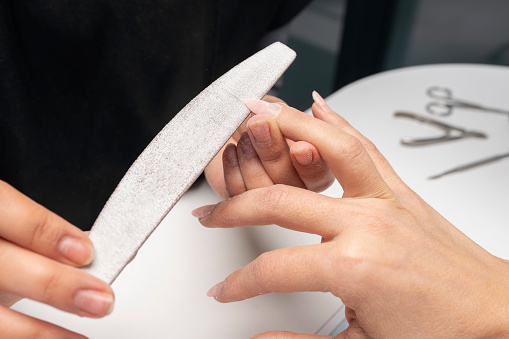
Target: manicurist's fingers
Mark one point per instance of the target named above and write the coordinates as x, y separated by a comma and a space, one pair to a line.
17, 325
273, 150
28, 224
290, 207
310, 165
292, 269
346, 156
28, 274
251, 167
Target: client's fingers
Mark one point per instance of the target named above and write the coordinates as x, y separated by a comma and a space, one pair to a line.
323, 112
290, 207
232, 174
346, 156
292, 269
273, 150
310, 165
253, 172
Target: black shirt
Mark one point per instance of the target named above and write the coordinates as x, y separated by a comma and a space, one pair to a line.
85, 85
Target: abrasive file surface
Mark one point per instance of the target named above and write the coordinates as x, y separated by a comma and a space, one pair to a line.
176, 157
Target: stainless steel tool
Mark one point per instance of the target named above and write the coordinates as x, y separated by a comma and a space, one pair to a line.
471, 165
445, 103
176, 157
451, 132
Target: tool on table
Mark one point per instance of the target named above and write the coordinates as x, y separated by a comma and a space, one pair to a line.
176, 157
445, 103
471, 165
451, 132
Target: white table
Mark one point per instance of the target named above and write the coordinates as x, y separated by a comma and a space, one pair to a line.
161, 294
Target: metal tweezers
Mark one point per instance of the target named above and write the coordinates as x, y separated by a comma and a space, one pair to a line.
451, 132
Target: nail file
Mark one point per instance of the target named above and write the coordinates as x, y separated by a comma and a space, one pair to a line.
176, 157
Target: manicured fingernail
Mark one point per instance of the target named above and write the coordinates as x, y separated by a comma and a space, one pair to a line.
260, 131
246, 146
321, 102
94, 302
202, 212
76, 250
214, 291
303, 156
263, 107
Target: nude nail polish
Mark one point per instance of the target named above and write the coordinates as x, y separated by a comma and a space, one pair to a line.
214, 291
263, 107
303, 156
321, 102
202, 212
260, 131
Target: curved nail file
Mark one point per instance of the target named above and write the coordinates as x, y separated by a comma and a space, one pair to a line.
176, 157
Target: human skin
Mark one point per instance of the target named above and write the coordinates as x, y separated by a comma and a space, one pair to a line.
400, 268
265, 158
39, 258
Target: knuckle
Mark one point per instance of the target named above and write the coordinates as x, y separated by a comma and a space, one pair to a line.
352, 147
51, 286
271, 155
277, 198
43, 228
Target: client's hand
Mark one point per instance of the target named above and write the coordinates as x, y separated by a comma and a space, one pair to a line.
401, 269
258, 155
39, 253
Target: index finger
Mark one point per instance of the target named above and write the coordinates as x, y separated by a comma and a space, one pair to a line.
30, 225
346, 156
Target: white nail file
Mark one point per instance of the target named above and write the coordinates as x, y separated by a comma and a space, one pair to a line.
176, 157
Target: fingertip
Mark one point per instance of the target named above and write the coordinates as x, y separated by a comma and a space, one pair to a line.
78, 251
303, 155
202, 212
263, 107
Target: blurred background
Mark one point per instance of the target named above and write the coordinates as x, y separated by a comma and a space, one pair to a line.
340, 41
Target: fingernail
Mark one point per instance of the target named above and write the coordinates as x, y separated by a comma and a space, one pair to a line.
94, 302
303, 156
76, 250
214, 291
202, 212
261, 131
231, 155
246, 146
263, 107
321, 102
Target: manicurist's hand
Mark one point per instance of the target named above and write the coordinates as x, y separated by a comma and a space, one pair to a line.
401, 269
39, 256
258, 155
